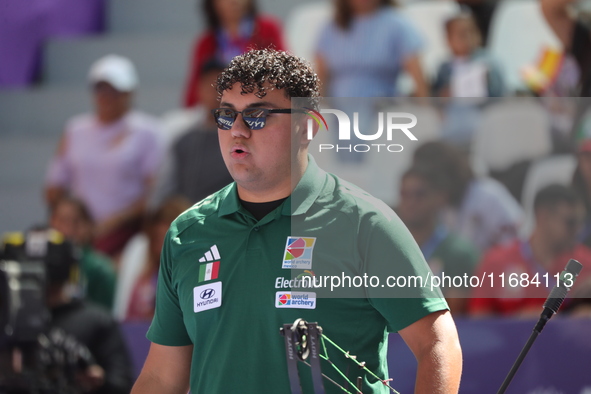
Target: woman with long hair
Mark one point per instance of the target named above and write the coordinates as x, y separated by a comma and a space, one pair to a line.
233, 27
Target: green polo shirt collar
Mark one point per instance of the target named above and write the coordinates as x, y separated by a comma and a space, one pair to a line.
230, 202
307, 190
298, 203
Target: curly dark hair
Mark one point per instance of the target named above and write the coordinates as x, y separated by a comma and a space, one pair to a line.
265, 69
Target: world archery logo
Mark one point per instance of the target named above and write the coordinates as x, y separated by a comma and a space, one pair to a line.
295, 299
284, 299
298, 253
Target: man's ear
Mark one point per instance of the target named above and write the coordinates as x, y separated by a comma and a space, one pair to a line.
307, 128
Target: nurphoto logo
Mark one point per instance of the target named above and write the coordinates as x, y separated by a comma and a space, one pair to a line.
389, 123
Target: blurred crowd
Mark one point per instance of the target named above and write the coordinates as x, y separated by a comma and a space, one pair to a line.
119, 176
489, 194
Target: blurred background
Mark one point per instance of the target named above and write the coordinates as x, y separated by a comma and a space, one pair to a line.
498, 181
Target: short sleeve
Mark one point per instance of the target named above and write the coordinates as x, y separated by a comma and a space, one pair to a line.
442, 78
496, 82
324, 40
411, 41
389, 252
168, 327
59, 169
153, 151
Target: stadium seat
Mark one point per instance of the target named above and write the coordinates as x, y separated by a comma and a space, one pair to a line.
518, 34
544, 172
303, 27
510, 131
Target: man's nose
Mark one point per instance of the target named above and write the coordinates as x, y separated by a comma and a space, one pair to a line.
239, 128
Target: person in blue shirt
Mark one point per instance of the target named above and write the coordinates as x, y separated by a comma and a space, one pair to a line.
364, 49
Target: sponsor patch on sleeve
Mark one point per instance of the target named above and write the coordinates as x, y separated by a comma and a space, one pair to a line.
207, 296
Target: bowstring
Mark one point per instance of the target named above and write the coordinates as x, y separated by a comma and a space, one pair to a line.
327, 359
330, 380
361, 365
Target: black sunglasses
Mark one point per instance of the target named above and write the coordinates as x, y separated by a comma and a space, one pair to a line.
254, 118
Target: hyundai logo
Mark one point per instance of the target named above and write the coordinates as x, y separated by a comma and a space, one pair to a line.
207, 294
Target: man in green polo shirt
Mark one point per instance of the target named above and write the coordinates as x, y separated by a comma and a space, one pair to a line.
232, 265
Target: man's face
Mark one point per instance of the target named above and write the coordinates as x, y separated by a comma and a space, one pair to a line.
363, 6
66, 219
419, 203
259, 160
562, 224
229, 11
110, 103
463, 37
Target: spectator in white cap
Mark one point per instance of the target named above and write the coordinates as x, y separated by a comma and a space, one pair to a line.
114, 79
108, 158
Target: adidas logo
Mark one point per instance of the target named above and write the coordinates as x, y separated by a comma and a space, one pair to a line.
211, 255
210, 270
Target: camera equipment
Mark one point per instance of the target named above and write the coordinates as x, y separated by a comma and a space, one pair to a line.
33, 357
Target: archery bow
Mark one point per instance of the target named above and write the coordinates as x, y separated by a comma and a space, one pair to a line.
302, 340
